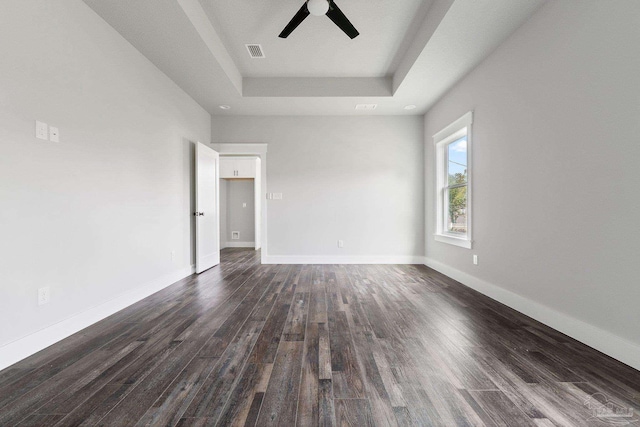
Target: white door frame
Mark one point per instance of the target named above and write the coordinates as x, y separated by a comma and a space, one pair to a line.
258, 150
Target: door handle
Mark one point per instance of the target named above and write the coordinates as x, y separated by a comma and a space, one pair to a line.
198, 214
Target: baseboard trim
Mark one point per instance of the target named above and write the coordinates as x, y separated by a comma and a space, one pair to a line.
608, 343
343, 259
239, 244
26, 346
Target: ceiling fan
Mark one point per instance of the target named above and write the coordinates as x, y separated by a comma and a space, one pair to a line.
319, 8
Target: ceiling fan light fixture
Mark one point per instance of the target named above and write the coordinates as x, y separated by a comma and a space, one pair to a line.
318, 7
329, 8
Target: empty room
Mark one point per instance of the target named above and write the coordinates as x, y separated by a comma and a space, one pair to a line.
318, 212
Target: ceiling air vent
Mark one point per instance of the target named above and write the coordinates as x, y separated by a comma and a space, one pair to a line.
255, 50
368, 107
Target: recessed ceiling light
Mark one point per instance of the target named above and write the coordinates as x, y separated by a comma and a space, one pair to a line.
225, 107
366, 106
410, 107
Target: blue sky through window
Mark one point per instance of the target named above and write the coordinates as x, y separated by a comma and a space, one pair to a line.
457, 155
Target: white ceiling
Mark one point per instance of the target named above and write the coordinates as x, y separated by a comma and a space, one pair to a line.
317, 48
408, 52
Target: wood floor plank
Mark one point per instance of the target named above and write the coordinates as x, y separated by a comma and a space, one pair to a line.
251, 378
212, 399
324, 352
213, 395
318, 304
294, 328
353, 413
403, 417
41, 420
174, 401
225, 333
280, 401
84, 386
308, 414
14, 390
326, 406
241, 399
83, 370
264, 351
254, 410
346, 375
501, 409
259, 345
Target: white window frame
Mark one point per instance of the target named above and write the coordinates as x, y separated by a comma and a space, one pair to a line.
441, 140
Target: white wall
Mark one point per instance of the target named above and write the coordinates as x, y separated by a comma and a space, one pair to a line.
556, 183
96, 215
241, 219
359, 179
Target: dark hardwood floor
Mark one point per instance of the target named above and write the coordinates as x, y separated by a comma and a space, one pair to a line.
251, 344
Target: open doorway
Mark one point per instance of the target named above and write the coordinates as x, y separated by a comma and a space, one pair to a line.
259, 152
240, 210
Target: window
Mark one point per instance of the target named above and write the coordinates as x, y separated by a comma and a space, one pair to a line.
453, 168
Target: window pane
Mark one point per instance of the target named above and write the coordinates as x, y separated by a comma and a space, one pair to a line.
456, 210
457, 161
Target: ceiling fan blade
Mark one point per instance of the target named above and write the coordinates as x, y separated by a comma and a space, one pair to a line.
338, 18
297, 20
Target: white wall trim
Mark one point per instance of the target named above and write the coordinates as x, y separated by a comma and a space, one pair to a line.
617, 347
234, 244
452, 240
344, 259
240, 148
26, 346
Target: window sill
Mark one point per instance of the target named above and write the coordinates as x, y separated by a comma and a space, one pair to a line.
452, 240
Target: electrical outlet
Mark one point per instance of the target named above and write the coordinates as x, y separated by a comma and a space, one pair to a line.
341, 243
235, 235
244, 205
44, 295
475, 260
173, 255
42, 130
277, 196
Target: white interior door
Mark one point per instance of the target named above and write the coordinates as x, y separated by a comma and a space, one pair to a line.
207, 208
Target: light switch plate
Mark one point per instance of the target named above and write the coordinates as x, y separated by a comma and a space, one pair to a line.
42, 130
54, 135
44, 295
277, 196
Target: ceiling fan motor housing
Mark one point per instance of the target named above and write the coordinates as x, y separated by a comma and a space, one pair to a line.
318, 7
